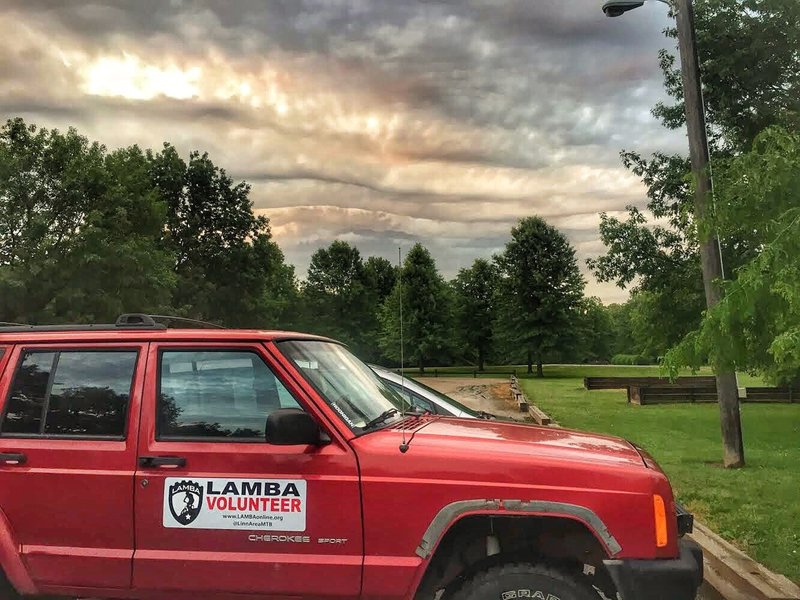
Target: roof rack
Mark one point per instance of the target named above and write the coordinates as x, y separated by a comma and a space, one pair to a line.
202, 324
128, 321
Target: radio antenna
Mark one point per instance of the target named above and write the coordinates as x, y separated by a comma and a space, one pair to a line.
403, 446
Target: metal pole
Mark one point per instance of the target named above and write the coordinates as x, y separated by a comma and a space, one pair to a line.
710, 257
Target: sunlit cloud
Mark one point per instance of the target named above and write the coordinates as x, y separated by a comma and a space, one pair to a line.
127, 76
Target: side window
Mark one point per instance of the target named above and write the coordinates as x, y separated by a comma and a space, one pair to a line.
217, 394
71, 393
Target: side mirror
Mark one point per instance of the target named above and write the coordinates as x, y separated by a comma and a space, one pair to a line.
293, 427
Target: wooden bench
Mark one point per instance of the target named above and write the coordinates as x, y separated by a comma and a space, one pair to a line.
518, 395
671, 393
621, 383
767, 394
539, 415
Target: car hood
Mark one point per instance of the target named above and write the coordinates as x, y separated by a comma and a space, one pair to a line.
503, 437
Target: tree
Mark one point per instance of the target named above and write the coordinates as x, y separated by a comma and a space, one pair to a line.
664, 264
594, 332
427, 311
79, 229
740, 102
475, 290
539, 291
758, 195
380, 277
225, 260
335, 296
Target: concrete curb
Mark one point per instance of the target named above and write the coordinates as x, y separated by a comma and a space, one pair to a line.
735, 576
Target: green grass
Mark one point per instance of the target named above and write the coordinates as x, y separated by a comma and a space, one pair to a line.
757, 508
576, 371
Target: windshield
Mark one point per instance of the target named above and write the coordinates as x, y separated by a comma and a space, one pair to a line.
351, 388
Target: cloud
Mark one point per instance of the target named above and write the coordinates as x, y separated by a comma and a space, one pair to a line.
381, 122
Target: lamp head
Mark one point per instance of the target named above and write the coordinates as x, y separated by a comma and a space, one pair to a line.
617, 8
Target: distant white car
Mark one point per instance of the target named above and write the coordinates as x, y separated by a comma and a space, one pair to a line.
426, 398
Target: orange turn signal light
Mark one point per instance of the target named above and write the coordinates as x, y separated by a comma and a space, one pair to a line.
660, 514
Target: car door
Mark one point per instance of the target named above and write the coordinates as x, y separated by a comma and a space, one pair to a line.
218, 510
68, 424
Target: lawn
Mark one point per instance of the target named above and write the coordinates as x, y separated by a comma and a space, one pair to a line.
574, 371
757, 508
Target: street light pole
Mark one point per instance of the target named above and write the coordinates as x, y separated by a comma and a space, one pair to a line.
710, 255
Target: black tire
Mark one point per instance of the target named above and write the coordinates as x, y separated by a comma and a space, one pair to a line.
521, 580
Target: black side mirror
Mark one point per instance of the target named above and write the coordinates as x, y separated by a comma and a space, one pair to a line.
293, 427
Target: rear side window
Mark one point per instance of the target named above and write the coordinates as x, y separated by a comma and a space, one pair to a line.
70, 393
222, 394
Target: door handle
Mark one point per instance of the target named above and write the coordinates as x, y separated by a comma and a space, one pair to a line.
151, 462
12, 458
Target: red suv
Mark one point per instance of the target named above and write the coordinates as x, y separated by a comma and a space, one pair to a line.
138, 461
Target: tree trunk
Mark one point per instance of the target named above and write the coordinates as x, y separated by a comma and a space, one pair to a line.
481, 360
530, 362
539, 368
421, 364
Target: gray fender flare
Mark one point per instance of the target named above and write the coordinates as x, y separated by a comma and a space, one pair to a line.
455, 510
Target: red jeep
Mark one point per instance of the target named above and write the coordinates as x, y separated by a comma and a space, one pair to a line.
138, 461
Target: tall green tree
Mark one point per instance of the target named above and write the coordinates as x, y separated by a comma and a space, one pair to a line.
336, 297
540, 289
79, 229
225, 260
475, 290
380, 276
426, 309
756, 327
663, 262
594, 332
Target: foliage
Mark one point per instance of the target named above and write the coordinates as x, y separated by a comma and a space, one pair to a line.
335, 295
594, 333
426, 308
86, 235
631, 359
539, 290
740, 101
757, 325
77, 228
475, 290
226, 263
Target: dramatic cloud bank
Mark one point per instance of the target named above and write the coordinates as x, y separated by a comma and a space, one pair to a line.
381, 122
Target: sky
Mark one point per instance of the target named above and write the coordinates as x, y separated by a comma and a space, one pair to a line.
377, 122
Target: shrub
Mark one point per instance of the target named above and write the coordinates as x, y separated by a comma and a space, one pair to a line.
632, 359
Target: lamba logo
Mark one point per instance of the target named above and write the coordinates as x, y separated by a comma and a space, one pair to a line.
185, 501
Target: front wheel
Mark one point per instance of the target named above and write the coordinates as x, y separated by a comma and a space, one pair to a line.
521, 580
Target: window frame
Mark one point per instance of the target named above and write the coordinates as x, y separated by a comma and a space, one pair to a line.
158, 437
25, 350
